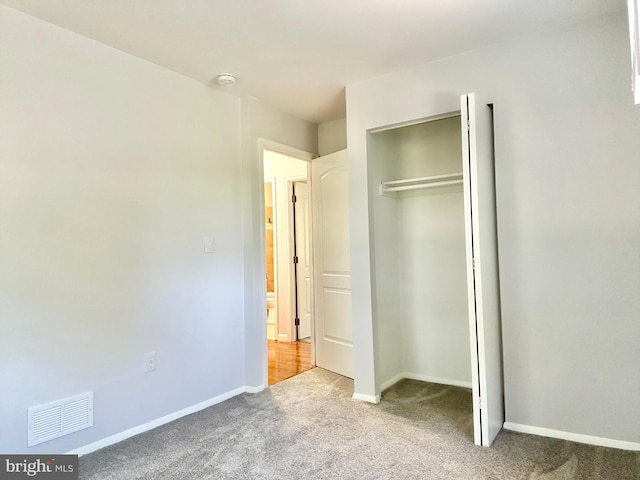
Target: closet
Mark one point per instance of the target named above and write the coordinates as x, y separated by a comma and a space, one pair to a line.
421, 212
435, 281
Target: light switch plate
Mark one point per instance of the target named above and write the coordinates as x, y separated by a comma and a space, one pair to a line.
209, 245
150, 362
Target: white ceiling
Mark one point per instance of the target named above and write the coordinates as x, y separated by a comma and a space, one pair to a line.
298, 55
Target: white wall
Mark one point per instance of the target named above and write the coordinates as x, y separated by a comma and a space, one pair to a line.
385, 261
259, 121
112, 171
332, 136
282, 169
566, 140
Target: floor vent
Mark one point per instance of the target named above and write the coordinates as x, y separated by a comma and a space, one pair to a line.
55, 419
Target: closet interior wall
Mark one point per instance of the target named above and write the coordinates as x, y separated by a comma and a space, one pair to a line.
420, 300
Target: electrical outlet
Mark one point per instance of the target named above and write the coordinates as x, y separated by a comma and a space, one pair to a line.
150, 362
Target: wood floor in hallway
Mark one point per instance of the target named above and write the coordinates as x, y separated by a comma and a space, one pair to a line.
288, 359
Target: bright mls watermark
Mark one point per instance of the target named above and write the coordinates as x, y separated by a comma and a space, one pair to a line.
51, 467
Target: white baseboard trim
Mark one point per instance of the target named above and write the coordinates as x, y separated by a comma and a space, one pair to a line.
392, 381
282, 337
574, 437
424, 378
118, 437
366, 398
443, 381
257, 389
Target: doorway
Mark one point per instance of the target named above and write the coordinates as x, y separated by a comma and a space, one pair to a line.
288, 264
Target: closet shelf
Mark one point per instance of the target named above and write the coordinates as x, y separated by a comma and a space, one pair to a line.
393, 186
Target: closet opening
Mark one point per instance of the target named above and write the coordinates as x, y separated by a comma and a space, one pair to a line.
426, 331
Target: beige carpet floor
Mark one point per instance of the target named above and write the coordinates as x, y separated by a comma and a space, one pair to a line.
308, 427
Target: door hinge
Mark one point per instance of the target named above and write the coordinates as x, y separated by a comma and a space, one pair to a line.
468, 126
297, 322
473, 263
295, 259
479, 402
294, 199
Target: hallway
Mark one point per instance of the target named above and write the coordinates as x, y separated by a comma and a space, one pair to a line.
288, 359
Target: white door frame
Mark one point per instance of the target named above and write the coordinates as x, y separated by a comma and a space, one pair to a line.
266, 144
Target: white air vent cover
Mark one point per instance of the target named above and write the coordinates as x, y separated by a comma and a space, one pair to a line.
55, 419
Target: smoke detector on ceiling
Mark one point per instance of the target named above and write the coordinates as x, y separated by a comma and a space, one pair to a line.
226, 79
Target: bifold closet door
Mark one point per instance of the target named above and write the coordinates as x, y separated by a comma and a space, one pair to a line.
482, 268
332, 263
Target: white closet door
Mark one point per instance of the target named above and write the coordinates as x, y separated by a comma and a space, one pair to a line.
332, 263
482, 268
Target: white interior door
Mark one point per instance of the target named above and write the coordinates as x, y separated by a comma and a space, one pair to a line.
303, 254
332, 265
482, 268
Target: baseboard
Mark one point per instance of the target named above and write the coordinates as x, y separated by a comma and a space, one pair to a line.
366, 398
574, 437
392, 381
118, 437
282, 337
443, 381
424, 378
257, 389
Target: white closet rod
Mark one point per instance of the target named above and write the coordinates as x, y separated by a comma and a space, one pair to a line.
421, 182
426, 185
